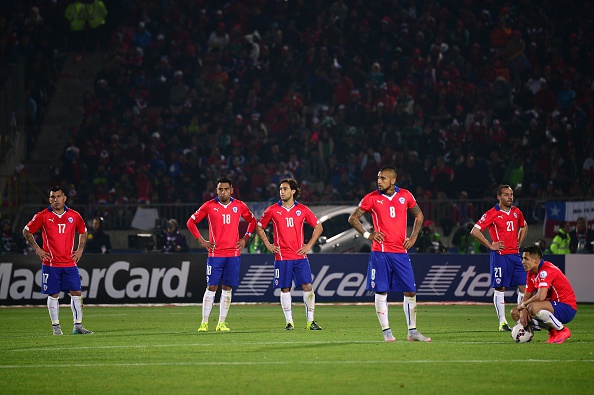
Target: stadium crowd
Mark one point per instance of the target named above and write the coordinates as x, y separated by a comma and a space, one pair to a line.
460, 96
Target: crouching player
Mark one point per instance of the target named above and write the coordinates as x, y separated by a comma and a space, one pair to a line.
549, 297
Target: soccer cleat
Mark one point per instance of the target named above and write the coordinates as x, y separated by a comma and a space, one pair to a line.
57, 330
289, 326
203, 327
503, 327
418, 337
222, 327
388, 336
312, 326
552, 335
80, 330
561, 336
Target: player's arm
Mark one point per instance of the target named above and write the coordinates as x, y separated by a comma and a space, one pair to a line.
270, 247
40, 252
417, 226
82, 242
317, 231
192, 226
522, 233
524, 315
358, 226
251, 220
480, 237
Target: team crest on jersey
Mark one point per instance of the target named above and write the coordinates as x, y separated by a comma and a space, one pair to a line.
401, 200
70, 220
498, 280
234, 209
515, 215
543, 274
298, 213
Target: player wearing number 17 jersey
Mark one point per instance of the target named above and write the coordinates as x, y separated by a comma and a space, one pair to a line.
59, 271
508, 229
224, 247
290, 260
389, 268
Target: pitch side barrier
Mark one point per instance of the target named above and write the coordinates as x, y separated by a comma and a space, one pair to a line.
181, 278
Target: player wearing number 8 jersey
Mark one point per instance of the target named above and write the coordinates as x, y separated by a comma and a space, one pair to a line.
507, 229
224, 247
290, 259
389, 267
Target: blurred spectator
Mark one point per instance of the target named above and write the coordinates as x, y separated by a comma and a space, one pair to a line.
429, 240
172, 240
581, 238
562, 240
11, 243
98, 242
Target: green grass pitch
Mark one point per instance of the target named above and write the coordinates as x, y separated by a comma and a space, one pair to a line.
157, 350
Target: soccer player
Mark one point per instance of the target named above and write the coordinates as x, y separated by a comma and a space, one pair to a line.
59, 270
290, 259
224, 248
389, 268
549, 297
507, 229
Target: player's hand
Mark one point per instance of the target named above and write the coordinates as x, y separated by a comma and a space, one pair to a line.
41, 253
207, 244
240, 244
408, 243
76, 255
524, 316
377, 236
497, 246
273, 248
303, 250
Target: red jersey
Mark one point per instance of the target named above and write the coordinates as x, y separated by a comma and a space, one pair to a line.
503, 226
551, 277
223, 225
288, 228
57, 232
389, 215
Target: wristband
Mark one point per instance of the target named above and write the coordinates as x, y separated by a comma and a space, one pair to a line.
366, 234
523, 306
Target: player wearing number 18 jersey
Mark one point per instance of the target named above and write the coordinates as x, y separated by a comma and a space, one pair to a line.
508, 229
389, 267
224, 247
290, 259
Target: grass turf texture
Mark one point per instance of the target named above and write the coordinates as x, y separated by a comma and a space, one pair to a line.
157, 350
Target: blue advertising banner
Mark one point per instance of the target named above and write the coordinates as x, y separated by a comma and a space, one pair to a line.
342, 278
181, 278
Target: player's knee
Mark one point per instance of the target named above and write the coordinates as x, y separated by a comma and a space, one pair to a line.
515, 314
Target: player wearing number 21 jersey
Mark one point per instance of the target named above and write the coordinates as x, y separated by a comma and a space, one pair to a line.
507, 229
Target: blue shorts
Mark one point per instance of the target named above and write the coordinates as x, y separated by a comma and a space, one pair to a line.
57, 279
287, 272
563, 311
388, 271
223, 270
506, 270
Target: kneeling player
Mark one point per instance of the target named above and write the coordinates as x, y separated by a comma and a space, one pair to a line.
549, 297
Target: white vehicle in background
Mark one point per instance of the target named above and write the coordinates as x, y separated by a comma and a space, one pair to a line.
338, 235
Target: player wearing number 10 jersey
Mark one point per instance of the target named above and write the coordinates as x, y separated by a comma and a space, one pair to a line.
508, 229
224, 247
290, 259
